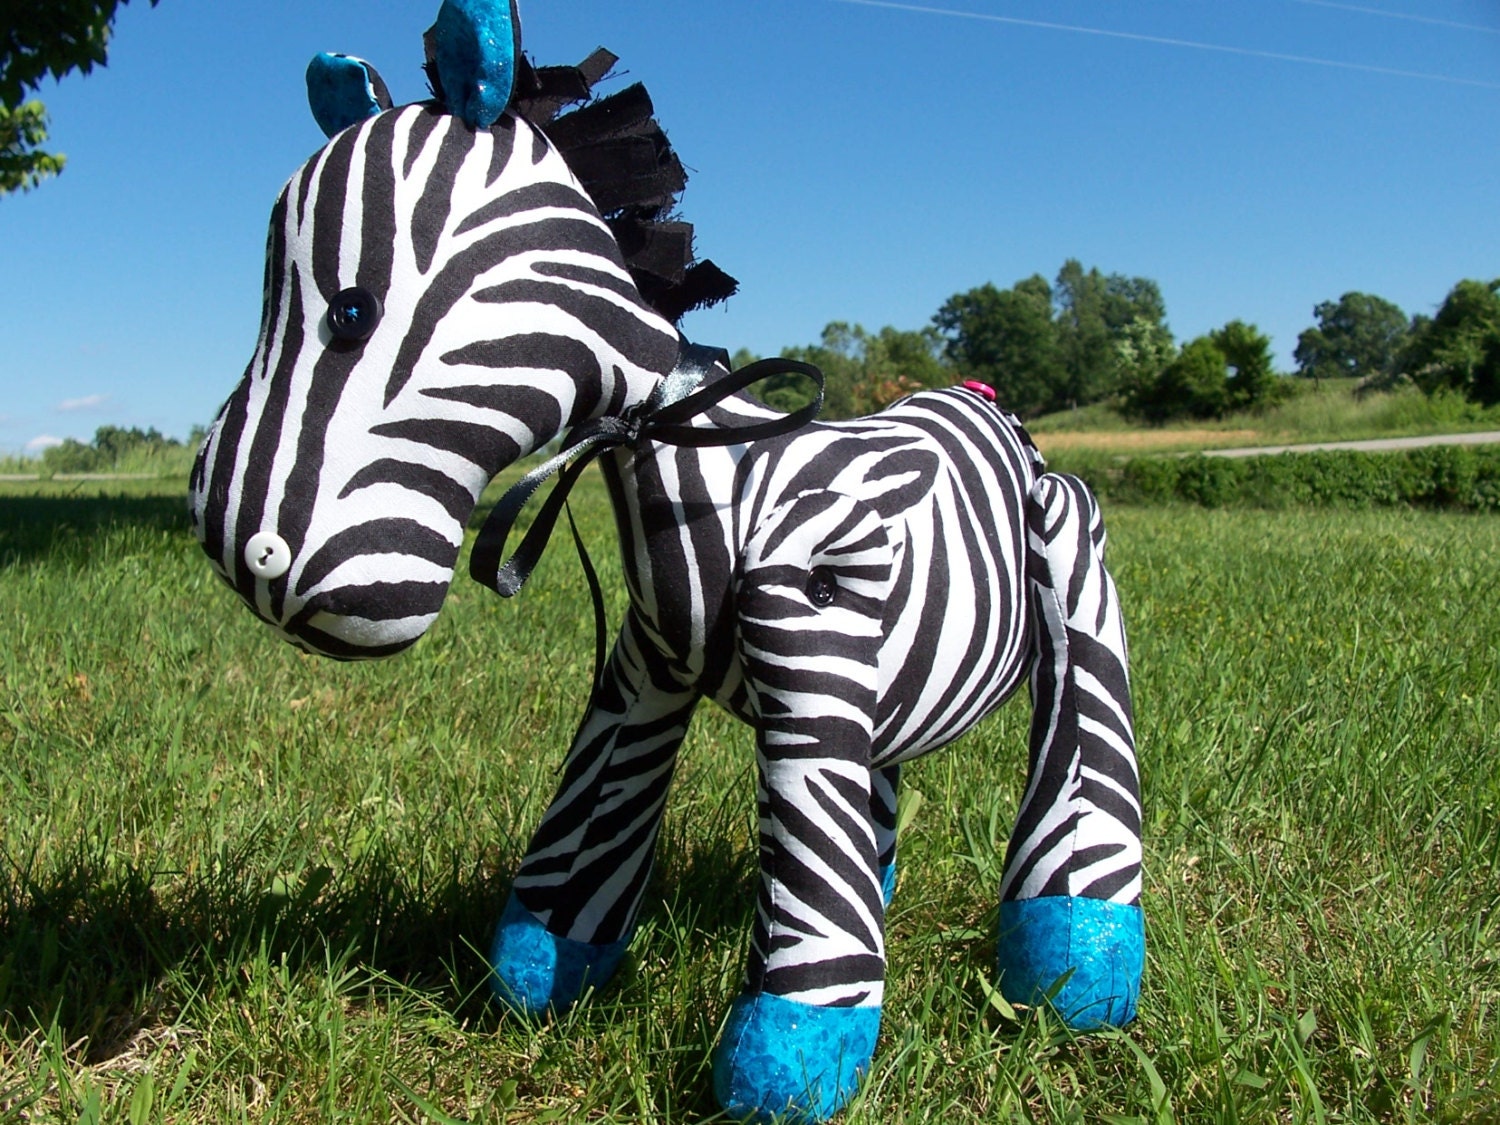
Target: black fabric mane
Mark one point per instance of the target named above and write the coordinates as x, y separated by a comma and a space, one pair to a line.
618, 151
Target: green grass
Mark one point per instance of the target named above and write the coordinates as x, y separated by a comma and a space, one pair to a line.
1336, 412
242, 884
1331, 411
1461, 478
168, 461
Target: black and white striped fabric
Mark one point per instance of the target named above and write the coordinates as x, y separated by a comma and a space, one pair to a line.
861, 592
1079, 828
508, 315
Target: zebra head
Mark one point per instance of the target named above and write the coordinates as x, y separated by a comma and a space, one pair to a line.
441, 297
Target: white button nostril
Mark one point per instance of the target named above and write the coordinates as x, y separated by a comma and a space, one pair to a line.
268, 556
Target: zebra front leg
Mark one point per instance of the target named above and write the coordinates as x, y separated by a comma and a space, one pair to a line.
1071, 892
813, 583
573, 908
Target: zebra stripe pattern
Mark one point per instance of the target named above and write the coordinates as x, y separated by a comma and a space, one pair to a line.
586, 868
367, 460
811, 600
860, 592
1079, 826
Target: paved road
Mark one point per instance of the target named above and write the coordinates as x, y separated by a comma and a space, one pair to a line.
1374, 445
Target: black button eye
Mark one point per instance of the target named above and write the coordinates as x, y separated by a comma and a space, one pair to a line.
353, 315
821, 586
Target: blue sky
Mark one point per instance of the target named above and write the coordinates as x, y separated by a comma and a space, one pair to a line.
852, 160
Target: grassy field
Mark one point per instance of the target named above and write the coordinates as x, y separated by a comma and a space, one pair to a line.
1330, 411
171, 461
242, 884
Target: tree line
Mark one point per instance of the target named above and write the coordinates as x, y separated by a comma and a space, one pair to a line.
112, 446
1088, 337
1456, 350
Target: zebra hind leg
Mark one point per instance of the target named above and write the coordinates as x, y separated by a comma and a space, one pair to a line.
883, 785
1071, 927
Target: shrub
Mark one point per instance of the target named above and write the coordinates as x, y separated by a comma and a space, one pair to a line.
1457, 477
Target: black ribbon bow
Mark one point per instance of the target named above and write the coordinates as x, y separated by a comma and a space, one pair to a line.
663, 417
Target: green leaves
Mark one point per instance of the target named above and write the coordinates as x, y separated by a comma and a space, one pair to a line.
1247, 352
1459, 348
1048, 347
865, 371
1224, 371
1007, 338
114, 449
1359, 335
22, 164
1194, 384
1453, 477
54, 38
1456, 350
36, 40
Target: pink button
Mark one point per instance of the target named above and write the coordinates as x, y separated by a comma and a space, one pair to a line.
979, 388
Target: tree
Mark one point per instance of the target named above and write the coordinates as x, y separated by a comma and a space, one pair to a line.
1093, 312
1195, 384
1008, 339
834, 356
1247, 355
114, 442
1459, 348
109, 448
71, 456
38, 39
1143, 348
1359, 335
1229, 369
1046, 347
22, 164
895, 363
1088, 349
862, 371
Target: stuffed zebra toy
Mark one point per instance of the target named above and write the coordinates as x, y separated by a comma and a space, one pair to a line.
450, 285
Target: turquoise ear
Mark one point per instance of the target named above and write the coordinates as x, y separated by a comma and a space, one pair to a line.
343, 91
474, 46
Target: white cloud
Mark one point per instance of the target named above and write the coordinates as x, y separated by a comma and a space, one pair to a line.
87, 402
41, 442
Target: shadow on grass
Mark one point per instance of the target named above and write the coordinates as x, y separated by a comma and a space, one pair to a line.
94, 948
41, 527
86, 946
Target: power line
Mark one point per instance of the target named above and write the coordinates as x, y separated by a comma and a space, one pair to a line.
1400, 16
1248, 52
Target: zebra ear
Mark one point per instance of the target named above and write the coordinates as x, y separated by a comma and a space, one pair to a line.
472, 53
343, 91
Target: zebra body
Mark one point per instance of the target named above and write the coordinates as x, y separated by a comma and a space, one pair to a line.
859, 592
906, 469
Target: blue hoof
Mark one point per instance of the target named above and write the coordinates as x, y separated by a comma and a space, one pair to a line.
532, 970
783, 1060
1103, 944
